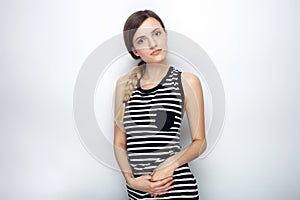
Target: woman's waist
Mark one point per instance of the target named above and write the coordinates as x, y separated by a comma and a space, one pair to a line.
145, 163
148, 169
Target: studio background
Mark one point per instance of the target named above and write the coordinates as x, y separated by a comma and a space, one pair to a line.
254, 44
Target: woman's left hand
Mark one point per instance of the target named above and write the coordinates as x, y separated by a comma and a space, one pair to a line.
163, 171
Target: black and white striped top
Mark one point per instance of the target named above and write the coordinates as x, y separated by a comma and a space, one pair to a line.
152, 122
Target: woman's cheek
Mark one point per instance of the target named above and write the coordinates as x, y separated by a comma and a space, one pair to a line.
144, 55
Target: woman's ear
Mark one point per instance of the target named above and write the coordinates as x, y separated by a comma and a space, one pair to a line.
135, 51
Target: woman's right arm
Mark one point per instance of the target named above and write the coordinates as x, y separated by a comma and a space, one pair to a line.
142, 183
119, 133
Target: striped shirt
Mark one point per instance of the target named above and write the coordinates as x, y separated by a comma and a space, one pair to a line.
152, 121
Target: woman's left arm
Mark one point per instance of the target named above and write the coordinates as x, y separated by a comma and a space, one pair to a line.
194, 107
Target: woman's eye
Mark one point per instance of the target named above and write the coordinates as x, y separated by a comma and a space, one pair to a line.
157, 33
140, 41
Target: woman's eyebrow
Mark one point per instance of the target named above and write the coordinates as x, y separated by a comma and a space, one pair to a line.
143, 35
154, 30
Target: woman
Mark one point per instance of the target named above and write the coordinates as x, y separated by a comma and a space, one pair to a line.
149, 106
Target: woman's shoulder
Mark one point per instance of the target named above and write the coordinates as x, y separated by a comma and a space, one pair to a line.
190, 84
186, 76
189, 76
190, 80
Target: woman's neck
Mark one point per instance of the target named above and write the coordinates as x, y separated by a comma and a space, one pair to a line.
155, 71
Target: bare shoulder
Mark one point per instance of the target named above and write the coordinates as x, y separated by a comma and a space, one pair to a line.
191, 84
190, 78
192, 87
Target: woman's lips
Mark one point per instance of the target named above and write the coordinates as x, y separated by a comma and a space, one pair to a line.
156, 52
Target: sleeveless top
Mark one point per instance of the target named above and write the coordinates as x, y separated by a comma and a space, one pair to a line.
152, 121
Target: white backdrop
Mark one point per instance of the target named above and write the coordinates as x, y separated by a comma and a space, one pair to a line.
254, 44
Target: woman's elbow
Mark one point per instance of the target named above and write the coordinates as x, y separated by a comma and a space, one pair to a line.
202, 144
119, 144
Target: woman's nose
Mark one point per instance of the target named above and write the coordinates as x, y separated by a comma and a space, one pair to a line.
152, 43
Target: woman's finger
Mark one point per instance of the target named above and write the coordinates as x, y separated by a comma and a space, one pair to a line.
167, 185
165, 190
161, 182
153, 195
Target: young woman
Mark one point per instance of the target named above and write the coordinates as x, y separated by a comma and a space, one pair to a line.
149, 107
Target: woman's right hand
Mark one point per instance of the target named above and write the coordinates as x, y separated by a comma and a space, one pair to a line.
144, 183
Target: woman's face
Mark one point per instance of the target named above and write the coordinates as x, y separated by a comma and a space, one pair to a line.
150, 41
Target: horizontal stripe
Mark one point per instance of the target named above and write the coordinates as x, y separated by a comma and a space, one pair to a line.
153, 100
167, 133
152, 105
156, 91
153, 143
137, 149
149, 110
156, 95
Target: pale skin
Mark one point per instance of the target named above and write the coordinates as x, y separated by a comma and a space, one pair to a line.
149, 37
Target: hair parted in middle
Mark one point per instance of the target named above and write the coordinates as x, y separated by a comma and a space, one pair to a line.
131, 25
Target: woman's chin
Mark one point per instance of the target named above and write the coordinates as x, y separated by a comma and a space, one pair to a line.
157, 59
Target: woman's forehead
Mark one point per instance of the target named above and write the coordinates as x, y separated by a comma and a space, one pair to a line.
147, 26
149, 23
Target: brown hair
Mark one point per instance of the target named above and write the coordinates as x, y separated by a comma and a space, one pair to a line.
132, 23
